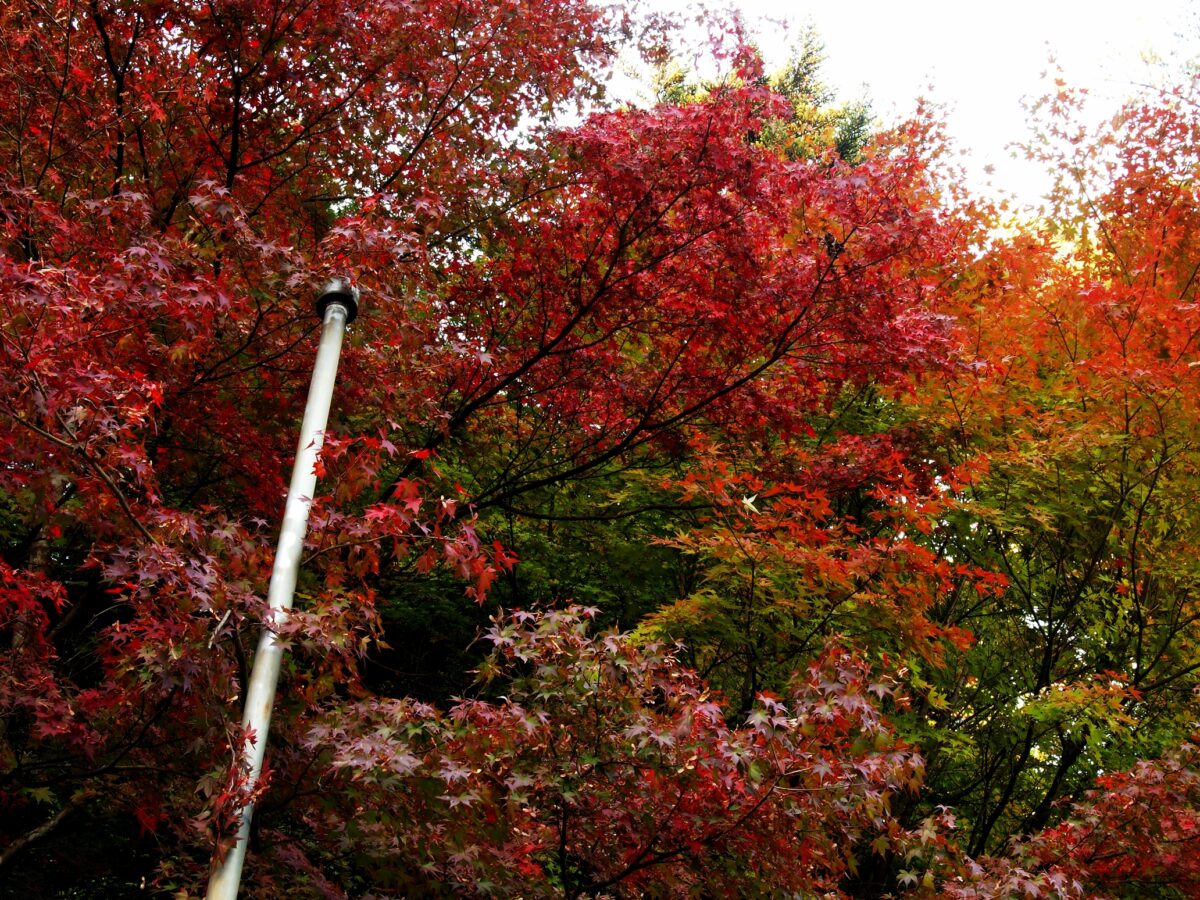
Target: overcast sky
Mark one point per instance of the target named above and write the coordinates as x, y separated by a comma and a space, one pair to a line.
979, 59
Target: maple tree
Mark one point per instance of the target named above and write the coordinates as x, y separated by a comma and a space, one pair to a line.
1133, 835
544, 307
606, 767
1076, 391
817, 541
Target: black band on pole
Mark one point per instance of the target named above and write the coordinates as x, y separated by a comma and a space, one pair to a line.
339, 290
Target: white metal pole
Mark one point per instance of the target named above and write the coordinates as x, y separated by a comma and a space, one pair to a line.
337, 305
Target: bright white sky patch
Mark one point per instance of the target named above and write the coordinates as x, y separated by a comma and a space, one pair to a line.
979, 59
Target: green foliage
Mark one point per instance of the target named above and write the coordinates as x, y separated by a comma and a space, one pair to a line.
815, 123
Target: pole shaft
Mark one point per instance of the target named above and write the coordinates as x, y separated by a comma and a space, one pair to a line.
260, 693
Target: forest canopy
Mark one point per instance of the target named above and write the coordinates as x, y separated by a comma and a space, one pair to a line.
718, 499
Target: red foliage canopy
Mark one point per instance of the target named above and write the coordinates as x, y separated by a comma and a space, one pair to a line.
176, 176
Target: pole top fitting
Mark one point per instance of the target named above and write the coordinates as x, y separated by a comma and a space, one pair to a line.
339, 290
